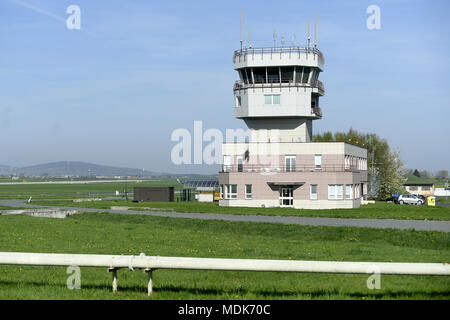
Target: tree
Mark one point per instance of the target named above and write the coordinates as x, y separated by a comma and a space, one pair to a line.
384, 166
424, 174
416, 173
442, 174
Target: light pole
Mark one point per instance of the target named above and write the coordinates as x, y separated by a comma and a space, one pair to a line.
126, 188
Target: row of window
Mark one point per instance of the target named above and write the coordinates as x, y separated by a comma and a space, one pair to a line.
335, 192
355, 162
271, 99
268, 99
229, 191
279, 75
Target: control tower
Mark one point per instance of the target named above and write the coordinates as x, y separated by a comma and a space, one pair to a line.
277, 96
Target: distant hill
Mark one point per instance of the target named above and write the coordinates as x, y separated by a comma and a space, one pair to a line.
83, 169
5, 169
77, 168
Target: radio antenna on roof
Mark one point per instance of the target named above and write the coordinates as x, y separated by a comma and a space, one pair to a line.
274, 38
315, 32
309, 32
241, 29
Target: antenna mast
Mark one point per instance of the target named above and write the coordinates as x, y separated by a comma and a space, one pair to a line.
309, 32
274, 38
315, 32
241, 29
250, 38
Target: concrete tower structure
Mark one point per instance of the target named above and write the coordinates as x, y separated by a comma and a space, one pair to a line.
277, 96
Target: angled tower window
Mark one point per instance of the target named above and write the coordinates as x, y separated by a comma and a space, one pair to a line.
305, 77
287, 74
273, 75
259, 74
298, 74
243, 74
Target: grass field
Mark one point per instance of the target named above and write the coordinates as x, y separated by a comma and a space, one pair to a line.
102, 233
83, 190
379, 210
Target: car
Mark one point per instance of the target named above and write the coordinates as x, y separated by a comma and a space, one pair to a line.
410, 199
424, 199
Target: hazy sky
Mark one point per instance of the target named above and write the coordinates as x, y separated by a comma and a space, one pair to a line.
113, 91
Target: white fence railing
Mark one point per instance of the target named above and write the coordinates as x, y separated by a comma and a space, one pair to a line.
150, 263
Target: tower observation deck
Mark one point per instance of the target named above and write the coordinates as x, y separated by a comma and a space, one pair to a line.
278, 89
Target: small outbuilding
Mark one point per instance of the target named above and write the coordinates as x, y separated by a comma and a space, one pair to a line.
425, 189
149, 194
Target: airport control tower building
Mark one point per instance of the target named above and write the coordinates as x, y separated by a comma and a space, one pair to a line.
277, 96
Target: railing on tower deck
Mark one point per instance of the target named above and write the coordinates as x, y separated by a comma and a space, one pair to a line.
240, 85
243, 53
271, 168
316, 111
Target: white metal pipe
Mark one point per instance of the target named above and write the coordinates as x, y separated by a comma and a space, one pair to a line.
156, 262
150, 282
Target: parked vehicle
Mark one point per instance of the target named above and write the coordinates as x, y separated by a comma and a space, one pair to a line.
410, 199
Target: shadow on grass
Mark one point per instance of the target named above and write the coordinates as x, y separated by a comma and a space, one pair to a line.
267, 294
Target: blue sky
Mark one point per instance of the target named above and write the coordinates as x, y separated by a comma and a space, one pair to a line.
114, 91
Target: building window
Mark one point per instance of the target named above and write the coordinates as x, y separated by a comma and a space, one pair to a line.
318, 161
273, 75
348, 191
287, 74
313, 192
248, 191
276, 99
290, 163
221, 192
413, 188
231, 191
357, 191
335, 191
259, 75
272, 99
305, 78
226, 163
238, 101
426, 188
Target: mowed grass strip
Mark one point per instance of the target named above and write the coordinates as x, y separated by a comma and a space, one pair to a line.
103, 233
78, 190
378, 210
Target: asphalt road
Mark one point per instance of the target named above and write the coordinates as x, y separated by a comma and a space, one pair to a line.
419, 225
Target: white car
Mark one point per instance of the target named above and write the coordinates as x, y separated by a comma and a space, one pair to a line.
410, 199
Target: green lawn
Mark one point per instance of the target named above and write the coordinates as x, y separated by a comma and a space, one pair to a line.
61, 191
379, 210
103, 233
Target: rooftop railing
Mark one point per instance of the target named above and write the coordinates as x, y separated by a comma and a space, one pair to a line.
240, 85
243, 53
270, 168
316, 111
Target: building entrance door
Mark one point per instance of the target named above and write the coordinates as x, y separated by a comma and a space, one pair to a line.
286, 196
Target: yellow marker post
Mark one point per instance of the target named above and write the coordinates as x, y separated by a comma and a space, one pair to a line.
431, 201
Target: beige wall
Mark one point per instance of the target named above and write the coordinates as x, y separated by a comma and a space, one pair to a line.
263, 191
420, 190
